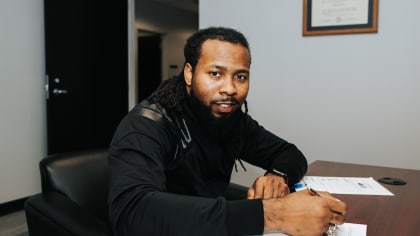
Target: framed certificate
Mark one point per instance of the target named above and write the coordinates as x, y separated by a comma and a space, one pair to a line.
323, 17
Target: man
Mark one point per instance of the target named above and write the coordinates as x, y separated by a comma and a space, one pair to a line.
172, 156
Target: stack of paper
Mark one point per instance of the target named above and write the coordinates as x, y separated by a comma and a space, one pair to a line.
344, 185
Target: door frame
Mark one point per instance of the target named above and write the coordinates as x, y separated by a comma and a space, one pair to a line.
132, 55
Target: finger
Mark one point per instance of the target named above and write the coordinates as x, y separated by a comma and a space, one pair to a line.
285, 191
250, 194
337, 219
259, 191
268, 192
277, 192
329, 197
281, 190
336, 205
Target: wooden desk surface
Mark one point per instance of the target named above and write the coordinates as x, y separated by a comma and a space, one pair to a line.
384, 215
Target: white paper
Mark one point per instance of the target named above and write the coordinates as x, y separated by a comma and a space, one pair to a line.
346, 229
339, 12
344, 185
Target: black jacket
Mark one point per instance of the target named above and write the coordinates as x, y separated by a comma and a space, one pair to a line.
170, 181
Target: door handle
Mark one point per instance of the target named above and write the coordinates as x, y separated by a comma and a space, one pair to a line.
59, 91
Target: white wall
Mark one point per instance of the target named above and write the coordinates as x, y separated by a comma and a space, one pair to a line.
348, 98
22, 117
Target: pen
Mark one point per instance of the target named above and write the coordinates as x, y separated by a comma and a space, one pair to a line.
313, 192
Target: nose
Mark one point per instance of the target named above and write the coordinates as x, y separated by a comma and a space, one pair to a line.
228, 87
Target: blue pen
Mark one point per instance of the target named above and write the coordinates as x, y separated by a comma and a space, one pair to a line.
299, 186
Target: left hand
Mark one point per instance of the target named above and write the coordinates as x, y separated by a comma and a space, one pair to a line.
268, 186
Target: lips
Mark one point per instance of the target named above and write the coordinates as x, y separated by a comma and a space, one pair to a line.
225, 107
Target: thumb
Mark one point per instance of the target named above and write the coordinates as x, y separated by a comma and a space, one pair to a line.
250, 193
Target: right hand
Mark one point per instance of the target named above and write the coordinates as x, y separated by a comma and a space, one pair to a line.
301, 213
268, 186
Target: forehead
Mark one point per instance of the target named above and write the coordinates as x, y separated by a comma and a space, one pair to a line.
218, 50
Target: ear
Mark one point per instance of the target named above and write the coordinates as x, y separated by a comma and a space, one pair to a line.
188, 74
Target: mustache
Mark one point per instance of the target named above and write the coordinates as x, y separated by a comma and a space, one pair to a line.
226, 100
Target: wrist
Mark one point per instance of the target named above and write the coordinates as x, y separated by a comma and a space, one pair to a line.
279, 173
272, 215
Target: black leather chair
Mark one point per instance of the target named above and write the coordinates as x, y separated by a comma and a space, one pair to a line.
74, 195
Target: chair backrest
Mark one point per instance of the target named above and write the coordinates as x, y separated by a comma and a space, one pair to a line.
82, 176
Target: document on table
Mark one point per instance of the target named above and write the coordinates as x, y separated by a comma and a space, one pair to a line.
344, 185
346, 229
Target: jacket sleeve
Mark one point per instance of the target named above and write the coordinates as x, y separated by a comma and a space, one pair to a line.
140, 205
268, 151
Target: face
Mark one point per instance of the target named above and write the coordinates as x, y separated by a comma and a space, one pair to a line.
220, 80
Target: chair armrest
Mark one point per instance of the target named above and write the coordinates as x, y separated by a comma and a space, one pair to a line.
236, 192
54, 214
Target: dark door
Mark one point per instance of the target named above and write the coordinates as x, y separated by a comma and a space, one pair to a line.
87, 70
149, 64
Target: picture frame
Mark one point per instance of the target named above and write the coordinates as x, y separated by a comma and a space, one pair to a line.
329, 17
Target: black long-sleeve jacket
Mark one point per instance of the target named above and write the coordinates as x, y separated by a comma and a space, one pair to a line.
166, 181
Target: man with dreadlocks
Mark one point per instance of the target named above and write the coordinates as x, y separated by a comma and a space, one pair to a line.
172, 156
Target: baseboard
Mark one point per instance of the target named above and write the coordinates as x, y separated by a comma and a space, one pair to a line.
12, 206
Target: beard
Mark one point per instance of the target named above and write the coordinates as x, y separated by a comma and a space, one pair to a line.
217, 127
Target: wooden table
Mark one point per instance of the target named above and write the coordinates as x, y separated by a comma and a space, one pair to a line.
384, 215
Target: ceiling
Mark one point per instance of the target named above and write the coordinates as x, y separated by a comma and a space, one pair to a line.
188, 5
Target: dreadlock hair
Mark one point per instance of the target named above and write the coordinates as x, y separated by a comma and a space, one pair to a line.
170, 94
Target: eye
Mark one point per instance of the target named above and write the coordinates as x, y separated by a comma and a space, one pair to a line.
214, 74
241, 77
